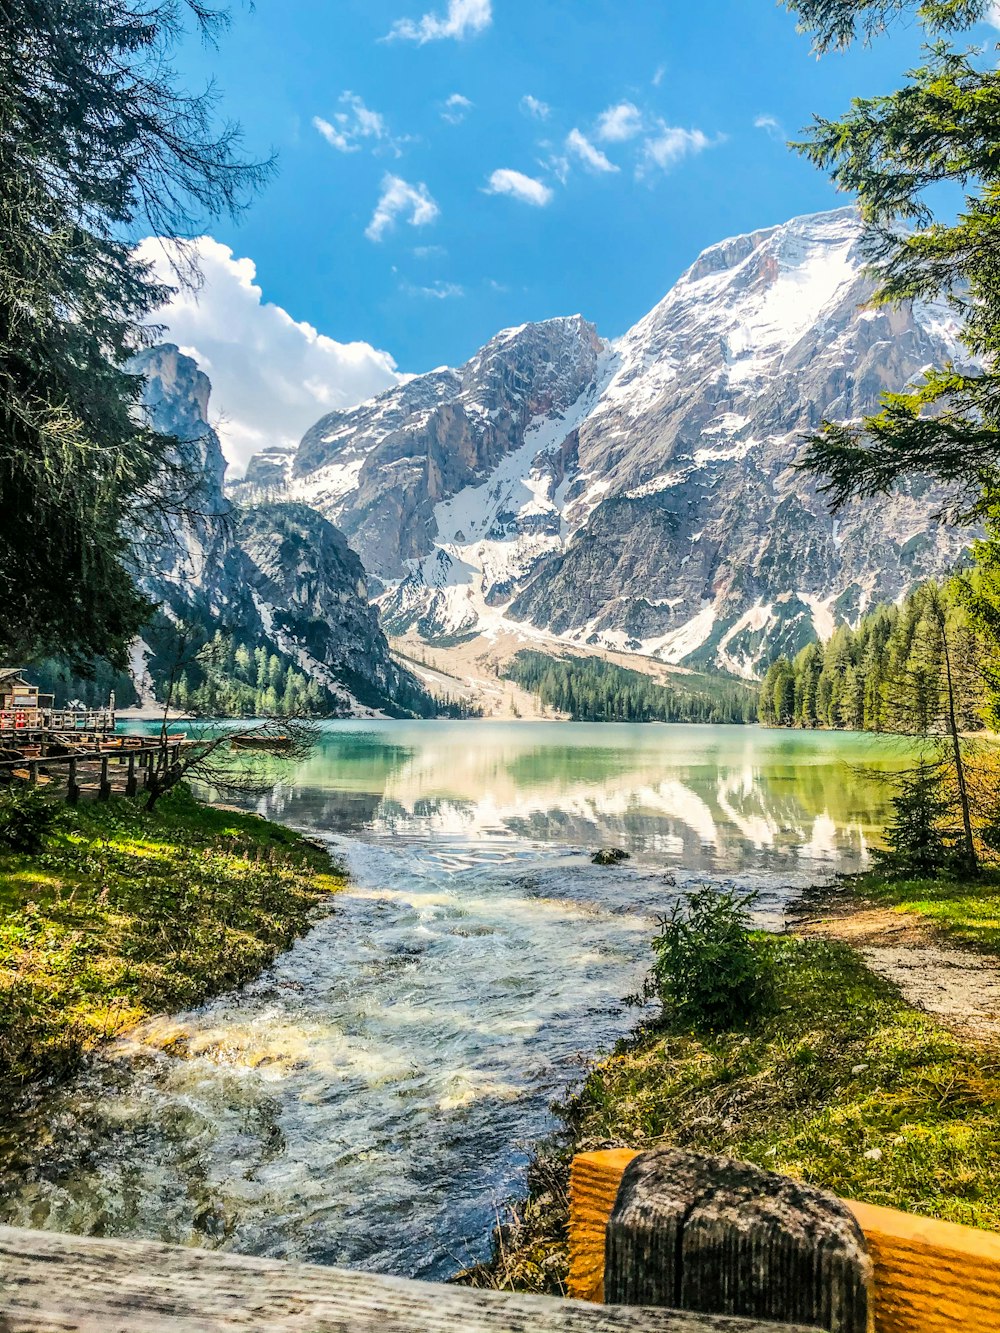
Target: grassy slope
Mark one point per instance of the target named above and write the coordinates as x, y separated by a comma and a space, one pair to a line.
843, 1085
967, 910
126, 914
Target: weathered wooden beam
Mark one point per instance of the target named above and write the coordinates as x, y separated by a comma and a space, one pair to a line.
52, 1283
930, 1276
724, 1237
130, 782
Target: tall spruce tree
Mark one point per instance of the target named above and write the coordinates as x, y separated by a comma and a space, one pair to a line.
917, 836
943, 125
97, 141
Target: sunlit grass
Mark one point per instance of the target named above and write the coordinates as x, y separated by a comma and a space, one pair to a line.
843, 1084
126, 914
967, 909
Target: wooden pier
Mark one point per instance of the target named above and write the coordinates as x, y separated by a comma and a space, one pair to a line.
98, 767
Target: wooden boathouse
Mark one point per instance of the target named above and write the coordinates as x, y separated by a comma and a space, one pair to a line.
25, 712
74, 750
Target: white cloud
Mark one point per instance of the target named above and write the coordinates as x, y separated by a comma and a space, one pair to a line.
658, 76
532, 106
619, 123
771, 126
352, 126
591, 157
670, 144
993, 16
438, 291
518, 186
400, 198
272, 376
464, 19
456, 109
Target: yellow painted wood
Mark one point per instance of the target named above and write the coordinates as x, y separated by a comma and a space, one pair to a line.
930, 1276
593, 1188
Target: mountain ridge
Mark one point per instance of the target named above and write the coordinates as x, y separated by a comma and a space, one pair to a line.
640, 494
278, 576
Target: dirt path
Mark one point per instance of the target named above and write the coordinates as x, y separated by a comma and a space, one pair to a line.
956, 984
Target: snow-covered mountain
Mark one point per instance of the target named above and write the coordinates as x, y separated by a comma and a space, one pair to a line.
640, 494
277, 575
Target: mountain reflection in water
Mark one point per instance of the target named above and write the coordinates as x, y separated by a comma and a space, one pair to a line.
371, 1100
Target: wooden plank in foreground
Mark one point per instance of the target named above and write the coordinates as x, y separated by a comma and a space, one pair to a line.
930, 1276
51, 1283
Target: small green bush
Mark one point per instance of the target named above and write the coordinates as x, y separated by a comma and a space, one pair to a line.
920, 837
27, 817
711, 970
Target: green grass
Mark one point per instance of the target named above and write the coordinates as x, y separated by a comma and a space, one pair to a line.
843, 1084
969, 910
126, 913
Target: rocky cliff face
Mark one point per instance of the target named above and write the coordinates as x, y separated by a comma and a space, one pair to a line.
279, 573
641, 494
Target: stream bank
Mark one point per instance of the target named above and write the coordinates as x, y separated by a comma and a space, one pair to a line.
126, 913
866, 1078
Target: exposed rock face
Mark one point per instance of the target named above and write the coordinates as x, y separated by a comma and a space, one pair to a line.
279, 572
642, 494
309, 589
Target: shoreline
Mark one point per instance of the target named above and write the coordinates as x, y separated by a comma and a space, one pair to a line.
868, 1079
125, 915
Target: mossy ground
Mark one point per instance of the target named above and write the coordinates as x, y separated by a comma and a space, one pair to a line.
842, 1084
127, 913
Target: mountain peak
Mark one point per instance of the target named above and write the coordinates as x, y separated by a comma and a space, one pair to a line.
840, 226
640, 495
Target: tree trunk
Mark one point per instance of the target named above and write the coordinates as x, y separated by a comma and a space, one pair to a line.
963, 791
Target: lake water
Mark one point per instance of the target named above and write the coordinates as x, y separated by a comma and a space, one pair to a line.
372, 1100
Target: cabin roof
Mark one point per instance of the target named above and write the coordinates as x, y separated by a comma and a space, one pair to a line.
12, 676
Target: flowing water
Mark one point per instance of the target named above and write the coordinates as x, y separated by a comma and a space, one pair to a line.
372, 1099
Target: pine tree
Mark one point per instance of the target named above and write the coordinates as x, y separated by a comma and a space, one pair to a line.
916, 836
940, 128
96, 142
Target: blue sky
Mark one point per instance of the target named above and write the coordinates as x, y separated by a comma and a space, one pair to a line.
533, 158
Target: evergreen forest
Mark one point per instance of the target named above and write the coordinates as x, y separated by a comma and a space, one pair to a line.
592, 690
888, 674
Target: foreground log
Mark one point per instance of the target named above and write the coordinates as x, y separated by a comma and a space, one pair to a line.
52, 1283
723, 1237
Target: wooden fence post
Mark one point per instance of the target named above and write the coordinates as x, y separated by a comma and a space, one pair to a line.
130, 782
33, 772
72, 787
720, 1237
104, 790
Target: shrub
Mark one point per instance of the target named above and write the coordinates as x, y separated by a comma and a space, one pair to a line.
918, 837
27, 817
711, 970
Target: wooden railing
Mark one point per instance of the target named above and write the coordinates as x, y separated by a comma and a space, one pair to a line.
51, 1283
673, 1243
134, 759
16, 722
927, 1276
